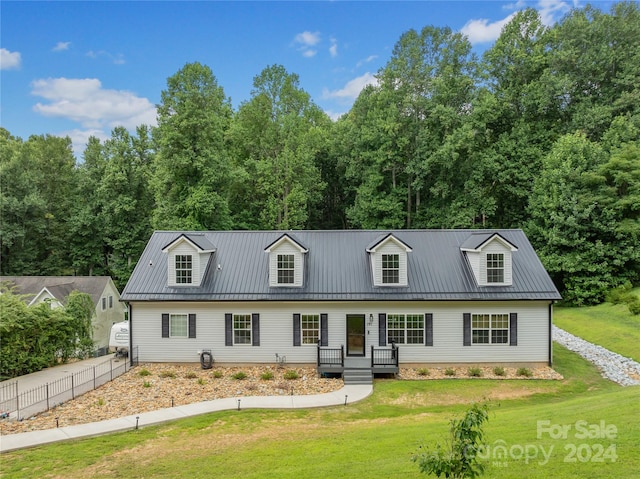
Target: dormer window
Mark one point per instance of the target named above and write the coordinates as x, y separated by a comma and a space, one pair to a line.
495, 267
184, 268
390, 268
187, 259
286, 262
490, 258
286, 268
389, 262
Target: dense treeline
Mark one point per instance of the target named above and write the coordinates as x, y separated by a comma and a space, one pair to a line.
541, 133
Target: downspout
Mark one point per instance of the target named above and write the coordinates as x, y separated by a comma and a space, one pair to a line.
550, 361
130, 308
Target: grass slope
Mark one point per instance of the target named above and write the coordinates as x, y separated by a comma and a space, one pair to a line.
372, 438
610, 326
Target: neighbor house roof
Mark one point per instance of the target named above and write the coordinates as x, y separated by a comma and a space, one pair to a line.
58, 286
338, 268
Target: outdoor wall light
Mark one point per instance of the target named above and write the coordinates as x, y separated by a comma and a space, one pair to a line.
370, 319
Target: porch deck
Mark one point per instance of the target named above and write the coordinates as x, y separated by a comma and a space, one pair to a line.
381, 361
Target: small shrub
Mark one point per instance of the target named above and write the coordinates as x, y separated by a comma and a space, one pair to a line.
449, 372
100, 401
291, 374
266, 376
146, 384
191, 375
634, 307
167, 374
423, 372
240, 375
474, 372
201, 381
621, 295
499, 371
526, 372
217, 374
144, 372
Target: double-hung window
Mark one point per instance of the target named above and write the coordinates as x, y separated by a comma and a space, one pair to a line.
184, 269
286, 269
310, 328
390, 268
495, 268
405, 329
241, 329
178, 325
490, 328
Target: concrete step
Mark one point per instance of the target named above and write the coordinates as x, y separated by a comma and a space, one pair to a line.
357, 376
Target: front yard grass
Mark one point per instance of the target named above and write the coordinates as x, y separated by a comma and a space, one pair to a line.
610, 326
372, 438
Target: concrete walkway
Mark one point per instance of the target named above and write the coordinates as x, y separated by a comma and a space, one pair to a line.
346, 395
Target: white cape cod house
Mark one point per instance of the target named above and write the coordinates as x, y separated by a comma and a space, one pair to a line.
338, 299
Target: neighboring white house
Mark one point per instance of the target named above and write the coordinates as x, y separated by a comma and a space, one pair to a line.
56, 289
342, 299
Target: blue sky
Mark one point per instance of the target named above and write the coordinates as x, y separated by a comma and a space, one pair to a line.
82, 68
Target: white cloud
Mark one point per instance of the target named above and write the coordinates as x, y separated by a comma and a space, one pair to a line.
481, 31
117, 59
9, 60
334, 115
79, 139
352, 88
86, 102
552, 10
333, 49
369, 59
308, 39
61, 46
305, 41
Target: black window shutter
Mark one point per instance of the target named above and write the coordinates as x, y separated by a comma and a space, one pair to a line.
382, 329
228, 329
165, 325
296, 329
324, 329
513, 329
466, 324
428, 329
255, 329
192, 325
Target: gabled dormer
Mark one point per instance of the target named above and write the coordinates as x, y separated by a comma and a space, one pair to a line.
388, 257
286, 262
187, 259
490, 258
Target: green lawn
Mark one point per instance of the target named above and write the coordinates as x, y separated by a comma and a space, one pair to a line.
610, 326
376, 437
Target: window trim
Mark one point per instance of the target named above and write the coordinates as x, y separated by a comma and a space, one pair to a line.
495, 267
391, 317
303, 329
504, 317
387, 269
185, 269
173, 316
286, 263
249, 328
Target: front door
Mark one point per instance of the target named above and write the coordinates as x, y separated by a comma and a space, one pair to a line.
355, 334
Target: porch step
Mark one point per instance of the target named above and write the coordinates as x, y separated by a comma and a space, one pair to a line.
357, 376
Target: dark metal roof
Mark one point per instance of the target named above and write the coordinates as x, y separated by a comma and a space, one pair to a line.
476, 240
337, 268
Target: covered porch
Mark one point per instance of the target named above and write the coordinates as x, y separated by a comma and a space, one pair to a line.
380, 361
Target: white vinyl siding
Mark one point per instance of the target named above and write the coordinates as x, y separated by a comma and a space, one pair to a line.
286, 250
386, 251
276, 331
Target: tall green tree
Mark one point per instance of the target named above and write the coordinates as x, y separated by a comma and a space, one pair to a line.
276, 138
191, 173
